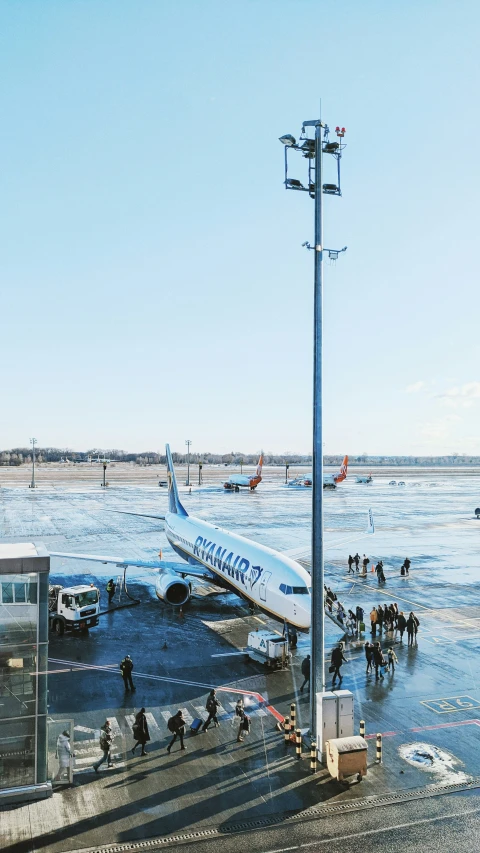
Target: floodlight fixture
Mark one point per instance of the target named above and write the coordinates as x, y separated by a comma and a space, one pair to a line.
294, 184
288, 140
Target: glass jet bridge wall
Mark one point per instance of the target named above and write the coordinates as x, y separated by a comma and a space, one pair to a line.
24, 573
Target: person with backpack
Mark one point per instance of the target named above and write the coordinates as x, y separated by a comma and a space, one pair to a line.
392, 660
176, 725
140, 731
126, 668
212, 707
305, 672
378, 660
244, 727
111, 587
106, 743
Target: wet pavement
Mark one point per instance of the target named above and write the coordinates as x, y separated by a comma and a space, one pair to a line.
431, 705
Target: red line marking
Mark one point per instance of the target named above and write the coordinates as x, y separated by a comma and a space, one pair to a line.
261, 701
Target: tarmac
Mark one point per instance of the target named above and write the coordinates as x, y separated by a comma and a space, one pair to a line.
428, 711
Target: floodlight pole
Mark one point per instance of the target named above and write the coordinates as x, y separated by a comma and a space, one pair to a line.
317, 681
33, 442
188, 443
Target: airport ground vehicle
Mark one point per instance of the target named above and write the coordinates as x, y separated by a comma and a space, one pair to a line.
268, 648
73, 608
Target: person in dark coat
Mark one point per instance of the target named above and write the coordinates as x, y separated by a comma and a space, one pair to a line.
369, 656
336, 661
126, 668
356, 560
350, 564
378, 659
176, 725
140, 731
412, 627
380, 617
405, 570
305, 672
212, 707
401, 624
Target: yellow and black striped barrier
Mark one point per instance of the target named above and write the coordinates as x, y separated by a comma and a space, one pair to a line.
362, 728
298, 743
313, 757
379, 748
286, 731
293, 716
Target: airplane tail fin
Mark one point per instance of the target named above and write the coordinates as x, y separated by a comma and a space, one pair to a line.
343, 471
259, 466
173, 500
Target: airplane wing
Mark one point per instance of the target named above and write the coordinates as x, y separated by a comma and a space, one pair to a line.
139, 514
180, 568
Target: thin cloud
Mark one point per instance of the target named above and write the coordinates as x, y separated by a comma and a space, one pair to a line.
461, 396
415, 387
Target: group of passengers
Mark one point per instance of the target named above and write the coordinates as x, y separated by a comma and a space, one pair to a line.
392, 619
375, 658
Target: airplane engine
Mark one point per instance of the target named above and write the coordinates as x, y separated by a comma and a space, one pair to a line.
172, 589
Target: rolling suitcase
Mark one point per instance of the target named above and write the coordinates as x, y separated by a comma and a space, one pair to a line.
362, 626
196, 726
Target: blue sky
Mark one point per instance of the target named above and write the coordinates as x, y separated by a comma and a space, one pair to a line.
153, 282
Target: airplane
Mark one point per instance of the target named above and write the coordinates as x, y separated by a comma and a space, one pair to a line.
237, 481
276, 583
329, 480
362, 479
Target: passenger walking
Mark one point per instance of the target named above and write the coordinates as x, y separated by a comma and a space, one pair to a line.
379, 571
64, 754
337, 660
373, 622
405, 570
352, 621
106, 743
380, 616
176, 725
356, 560
359, 613
126, 668
140, 731
410, 629
350, 564
401, 624
416, 624
305, 672
378, 660
365, 562
111, 587
211, 706
369, 656
244, 727
392, 660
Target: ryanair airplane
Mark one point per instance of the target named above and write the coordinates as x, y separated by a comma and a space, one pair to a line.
276, 583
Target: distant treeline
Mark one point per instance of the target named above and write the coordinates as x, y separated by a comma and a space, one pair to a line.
23, 455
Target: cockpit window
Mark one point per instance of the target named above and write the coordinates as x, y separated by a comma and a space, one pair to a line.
287, 590
299, 590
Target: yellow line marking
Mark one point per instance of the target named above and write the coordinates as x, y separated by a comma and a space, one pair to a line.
448, 701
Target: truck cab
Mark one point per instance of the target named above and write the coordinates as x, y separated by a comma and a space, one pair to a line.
73, 608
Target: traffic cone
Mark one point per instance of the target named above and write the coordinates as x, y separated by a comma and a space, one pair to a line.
373, 568
180, 613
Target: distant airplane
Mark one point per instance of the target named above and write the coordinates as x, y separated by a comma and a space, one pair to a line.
274, 582
329, 480
362, 479
238, 481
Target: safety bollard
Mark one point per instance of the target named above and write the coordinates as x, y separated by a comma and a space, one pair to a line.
362, 728
313, 757
293, 716
286, 731
379, 748
298, 743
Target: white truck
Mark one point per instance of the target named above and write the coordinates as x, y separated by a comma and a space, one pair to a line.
268, 648
73, 608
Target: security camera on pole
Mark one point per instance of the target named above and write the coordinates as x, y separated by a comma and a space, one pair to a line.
312, 150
